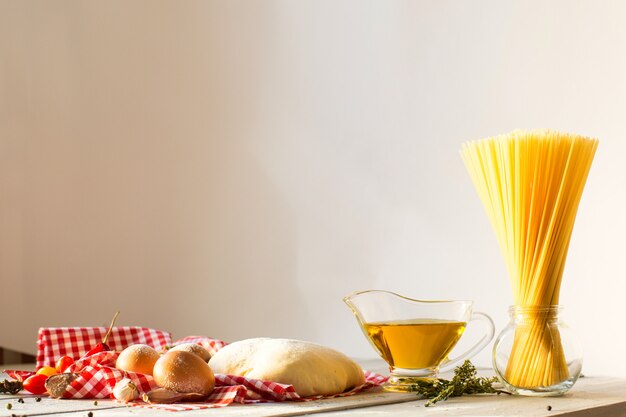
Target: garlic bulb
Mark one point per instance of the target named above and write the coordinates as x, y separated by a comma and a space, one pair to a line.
125, 390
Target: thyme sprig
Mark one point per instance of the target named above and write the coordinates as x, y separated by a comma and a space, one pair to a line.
10, 387
464, 381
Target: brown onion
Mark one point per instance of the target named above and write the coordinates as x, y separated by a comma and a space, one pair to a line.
195, 348
137, 358
183, 372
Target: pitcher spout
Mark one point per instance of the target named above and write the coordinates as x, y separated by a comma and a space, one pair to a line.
364, 303
351, 301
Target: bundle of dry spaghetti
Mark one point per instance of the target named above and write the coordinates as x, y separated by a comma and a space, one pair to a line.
530, 183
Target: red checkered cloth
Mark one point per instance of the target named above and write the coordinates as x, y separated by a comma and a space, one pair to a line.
212, 345
236, 389
54, 342
97, 376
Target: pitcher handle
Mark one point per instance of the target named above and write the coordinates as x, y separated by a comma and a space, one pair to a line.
491, 329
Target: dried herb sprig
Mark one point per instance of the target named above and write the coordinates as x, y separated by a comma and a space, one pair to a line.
464, 381
10, 387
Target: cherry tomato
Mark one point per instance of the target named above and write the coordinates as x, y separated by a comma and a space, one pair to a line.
36, 384
63, 363
47, 371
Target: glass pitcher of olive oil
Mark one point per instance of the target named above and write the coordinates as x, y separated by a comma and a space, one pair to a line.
415, 337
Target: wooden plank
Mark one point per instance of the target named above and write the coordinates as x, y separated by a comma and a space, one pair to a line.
49, 406
589, 397
612, 410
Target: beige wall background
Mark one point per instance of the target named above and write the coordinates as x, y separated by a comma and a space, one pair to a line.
233, 168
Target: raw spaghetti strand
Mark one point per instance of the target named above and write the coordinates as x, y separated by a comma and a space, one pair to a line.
530, 183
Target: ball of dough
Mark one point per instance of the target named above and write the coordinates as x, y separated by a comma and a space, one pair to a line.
183, 372
312, 369
195, 348
137, 358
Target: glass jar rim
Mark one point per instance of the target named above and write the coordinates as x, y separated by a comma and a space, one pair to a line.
552, 308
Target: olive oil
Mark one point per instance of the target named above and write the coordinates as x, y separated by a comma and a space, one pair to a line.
415, 344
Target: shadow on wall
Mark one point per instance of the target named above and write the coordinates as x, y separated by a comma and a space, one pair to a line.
126, 178
239, 280
196, 240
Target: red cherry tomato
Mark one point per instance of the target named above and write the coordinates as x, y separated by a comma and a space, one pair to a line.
63, 363
35, 384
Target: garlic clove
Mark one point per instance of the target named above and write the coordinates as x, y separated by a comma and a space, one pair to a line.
166, 396
56, 385
125, 390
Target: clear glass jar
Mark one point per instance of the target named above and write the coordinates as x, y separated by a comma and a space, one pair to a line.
536, 353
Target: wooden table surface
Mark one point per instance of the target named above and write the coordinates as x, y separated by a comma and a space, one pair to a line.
591, 396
